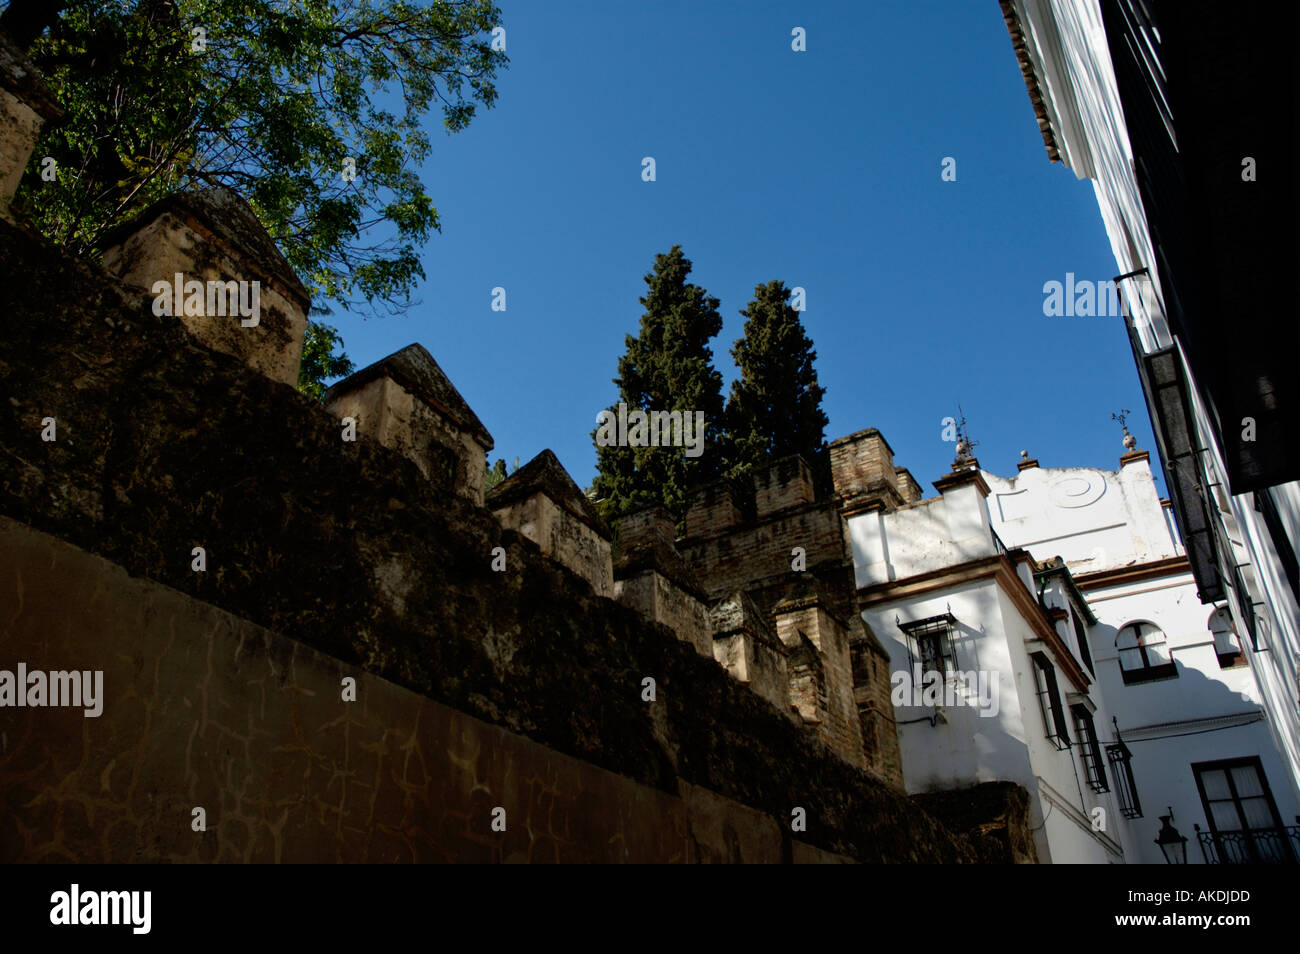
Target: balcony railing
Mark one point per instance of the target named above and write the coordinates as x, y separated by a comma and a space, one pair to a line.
998, 545
1261, 846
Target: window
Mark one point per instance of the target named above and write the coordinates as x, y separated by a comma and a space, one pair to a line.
930, 643
1144, 654
1121, 770
1245, 827
1226, 645
1049, 701
1081, 636
1089, 751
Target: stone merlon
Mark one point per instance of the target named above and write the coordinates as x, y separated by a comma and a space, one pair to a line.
406, 402
212, 237
542, 503
26, 105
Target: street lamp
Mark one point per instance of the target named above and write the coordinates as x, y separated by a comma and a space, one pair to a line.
1170, 841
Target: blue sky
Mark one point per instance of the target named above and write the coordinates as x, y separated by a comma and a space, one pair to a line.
820, 168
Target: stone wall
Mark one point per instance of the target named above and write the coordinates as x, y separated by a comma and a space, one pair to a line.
747, 647
213, 236
659, 598
819, 645
405, 402
164, 445
786, 483
568, 541
871, 696
862, 467
762, 551
995, 814
737, 546
204, 710
712, 509
26, 105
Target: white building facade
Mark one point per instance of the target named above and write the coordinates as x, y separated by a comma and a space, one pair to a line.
1240, 544
987, 686
1189, 737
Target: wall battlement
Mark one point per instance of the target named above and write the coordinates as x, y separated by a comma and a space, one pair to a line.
350, 548
175, 513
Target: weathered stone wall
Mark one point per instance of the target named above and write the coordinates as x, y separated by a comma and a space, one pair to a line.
712, 509
659, 598
562, 538
862, 468
785, 483
761, 552
871, 695
995, 815
19, 127
907, 485
756, 556
823, 689
201, 709
181, 239
387, 412
406, 403
745, 645
26, 104
164, 445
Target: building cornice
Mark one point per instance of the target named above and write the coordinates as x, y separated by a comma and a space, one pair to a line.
1099, 579
1160, 730
1026, 62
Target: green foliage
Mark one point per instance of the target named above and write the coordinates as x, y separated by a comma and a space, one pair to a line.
667, 367
775, 404
319, 362
282, 92
495, 474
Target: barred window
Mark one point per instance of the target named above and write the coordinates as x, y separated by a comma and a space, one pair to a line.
1089, 750
930, 643
1049, 701
1081, 636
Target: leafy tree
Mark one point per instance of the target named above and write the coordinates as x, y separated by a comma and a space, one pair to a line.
277, 99
319, 362
668, 366
775, 404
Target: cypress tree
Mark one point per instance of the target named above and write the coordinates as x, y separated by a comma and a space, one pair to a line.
775, 404
668, 366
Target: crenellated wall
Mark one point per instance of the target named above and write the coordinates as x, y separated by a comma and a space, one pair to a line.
360, 561
785, 544
320, 635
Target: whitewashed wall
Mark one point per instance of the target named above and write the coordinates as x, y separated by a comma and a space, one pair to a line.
1067, 44
1117, 522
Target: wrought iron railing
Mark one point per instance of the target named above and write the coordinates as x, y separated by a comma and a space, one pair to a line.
998, 545
1260, 846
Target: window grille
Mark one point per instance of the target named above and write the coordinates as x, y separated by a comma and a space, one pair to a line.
1049, 701
930, 643
1089, 750
1081, 635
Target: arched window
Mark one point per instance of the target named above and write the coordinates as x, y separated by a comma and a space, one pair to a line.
1144, 653
1226, 645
